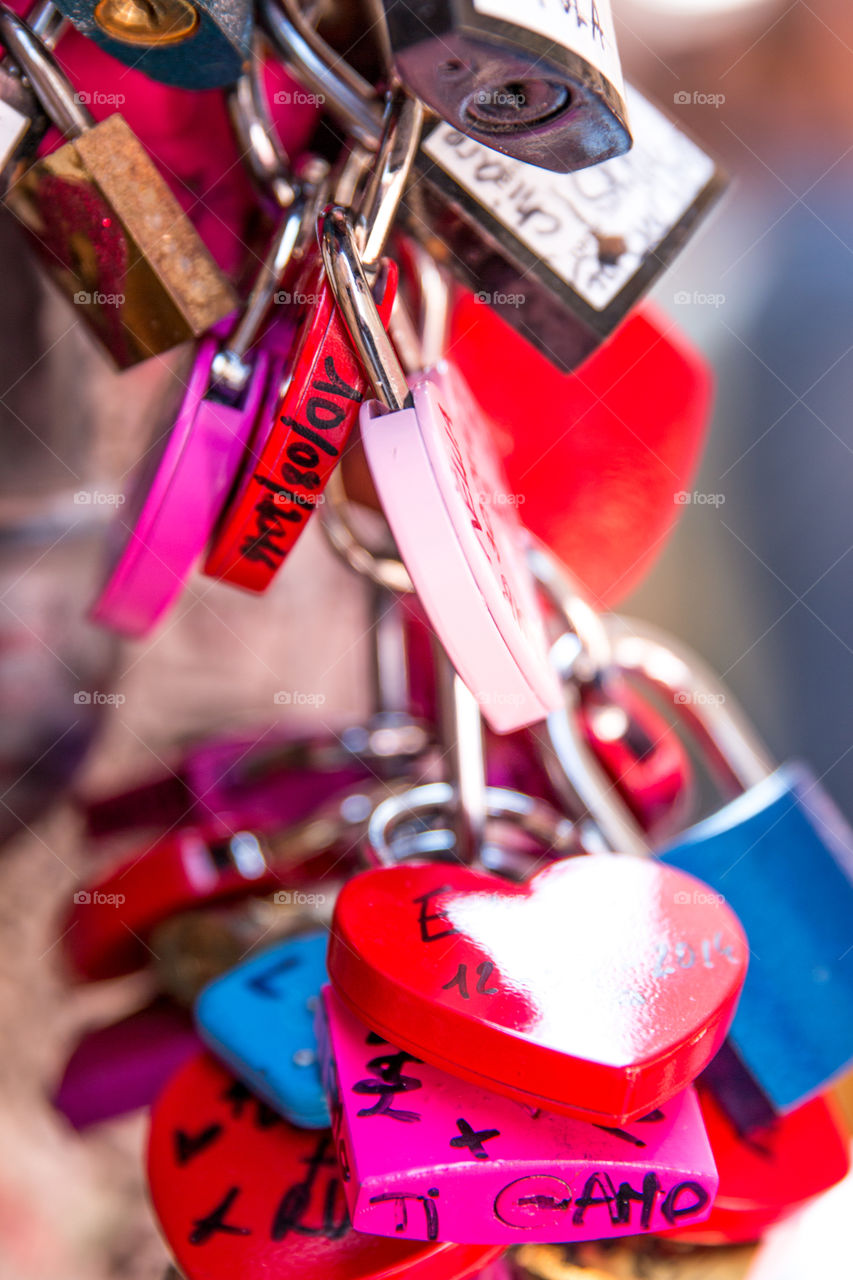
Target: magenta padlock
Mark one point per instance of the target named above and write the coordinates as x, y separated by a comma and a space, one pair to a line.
442, 491
230, 397
427, 1156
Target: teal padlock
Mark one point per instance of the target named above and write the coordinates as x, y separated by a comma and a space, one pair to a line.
781, 853
192, 44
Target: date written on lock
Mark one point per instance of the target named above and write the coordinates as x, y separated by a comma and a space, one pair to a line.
426, 1156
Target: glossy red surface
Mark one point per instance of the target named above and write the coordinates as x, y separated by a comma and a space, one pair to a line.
767, 1175
643, 756
240, 1194
303, 446
105, 932
598, 454
599, 988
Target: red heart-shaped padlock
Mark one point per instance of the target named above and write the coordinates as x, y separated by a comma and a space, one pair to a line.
765, 1176
242, 1194
600, 457
600, 987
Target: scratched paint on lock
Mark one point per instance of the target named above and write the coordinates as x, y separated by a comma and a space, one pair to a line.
430, 1157
599, 988
259, 1018
241, 1194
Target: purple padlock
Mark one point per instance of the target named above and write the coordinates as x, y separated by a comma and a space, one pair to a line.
427, 1156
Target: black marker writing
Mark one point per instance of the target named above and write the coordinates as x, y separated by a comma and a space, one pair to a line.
214, 1222
474, 1140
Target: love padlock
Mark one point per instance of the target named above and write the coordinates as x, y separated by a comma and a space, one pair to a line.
450, 513
239, 1193
111, 920
769, 1174
543, 85
429, 1157
616, 444
783, 855
259, 1019
324, 388
117, 1069
95, 210
598, 988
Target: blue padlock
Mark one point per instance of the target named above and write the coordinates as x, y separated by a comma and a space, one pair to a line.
782, 855
192, 44
259, 1019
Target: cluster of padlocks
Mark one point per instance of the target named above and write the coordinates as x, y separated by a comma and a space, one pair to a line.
463, 986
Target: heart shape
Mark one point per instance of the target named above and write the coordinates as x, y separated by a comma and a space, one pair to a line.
616, 443
241, 1194
600, 988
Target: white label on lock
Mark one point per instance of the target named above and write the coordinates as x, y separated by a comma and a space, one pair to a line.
593, 228
13, 127
583, 26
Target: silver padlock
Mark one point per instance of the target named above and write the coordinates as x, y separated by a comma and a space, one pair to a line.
540, 82
561, 257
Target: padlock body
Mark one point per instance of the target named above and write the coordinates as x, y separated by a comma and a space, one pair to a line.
540, 83
259, 1019
204, 47
782, 854
562, 259
113, 237
429, 1157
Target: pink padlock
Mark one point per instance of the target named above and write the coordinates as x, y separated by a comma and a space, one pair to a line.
442, 491
426, 1156
230, 396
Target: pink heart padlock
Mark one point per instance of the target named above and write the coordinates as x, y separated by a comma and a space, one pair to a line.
600, 988
426, 1156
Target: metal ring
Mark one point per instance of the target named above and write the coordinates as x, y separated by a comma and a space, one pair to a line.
583, 620
535, 817
335, 522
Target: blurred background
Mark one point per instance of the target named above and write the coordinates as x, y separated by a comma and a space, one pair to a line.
758, 575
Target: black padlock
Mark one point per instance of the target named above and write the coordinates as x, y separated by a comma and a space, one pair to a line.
540, 82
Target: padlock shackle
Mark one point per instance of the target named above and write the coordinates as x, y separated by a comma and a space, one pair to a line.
49, 82
357, 306
269, 167
460, 733
536, 818
730, 747
347, 96
401, 133
336, 522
